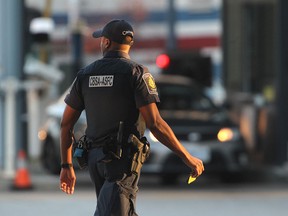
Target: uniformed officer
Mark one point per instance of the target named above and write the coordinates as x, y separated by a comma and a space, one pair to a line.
114, 89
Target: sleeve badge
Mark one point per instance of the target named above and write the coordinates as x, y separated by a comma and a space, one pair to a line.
150, 83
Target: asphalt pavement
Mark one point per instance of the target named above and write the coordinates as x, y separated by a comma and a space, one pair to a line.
43, 181
263, 193
40, 180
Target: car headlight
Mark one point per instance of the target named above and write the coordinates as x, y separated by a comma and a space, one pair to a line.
227, 134
42, 135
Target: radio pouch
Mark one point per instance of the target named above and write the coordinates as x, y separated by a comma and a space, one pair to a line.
80, 152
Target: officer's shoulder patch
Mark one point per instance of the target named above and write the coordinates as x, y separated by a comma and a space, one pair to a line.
150, 83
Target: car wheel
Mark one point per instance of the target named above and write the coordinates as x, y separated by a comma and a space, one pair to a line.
50, 159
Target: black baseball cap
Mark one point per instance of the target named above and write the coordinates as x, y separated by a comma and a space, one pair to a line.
116, 30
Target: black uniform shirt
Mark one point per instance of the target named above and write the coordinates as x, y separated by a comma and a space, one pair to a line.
111, 90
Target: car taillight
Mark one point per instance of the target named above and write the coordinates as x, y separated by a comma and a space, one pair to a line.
163, 61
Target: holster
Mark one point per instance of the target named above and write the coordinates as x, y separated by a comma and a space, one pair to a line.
141, 150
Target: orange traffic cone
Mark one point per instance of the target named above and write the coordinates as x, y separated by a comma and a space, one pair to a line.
22, 179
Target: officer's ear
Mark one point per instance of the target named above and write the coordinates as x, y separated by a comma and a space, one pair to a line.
107, 43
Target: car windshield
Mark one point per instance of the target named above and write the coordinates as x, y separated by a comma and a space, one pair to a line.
182, 97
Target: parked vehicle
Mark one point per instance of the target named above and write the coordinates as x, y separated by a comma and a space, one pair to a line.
203, 128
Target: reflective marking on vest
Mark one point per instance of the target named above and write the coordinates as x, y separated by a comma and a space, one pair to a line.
101, 81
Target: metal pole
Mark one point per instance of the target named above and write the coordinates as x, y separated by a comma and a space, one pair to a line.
1, 130
33, 126
282, 80
11, 68
76, 35
10, 87
171, 42
1, 96
33, 113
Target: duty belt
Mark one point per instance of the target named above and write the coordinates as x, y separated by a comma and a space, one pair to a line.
95, 143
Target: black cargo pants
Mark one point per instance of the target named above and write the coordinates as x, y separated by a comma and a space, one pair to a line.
115, 188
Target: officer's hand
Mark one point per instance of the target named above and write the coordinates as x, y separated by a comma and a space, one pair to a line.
67, 180
196, 165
